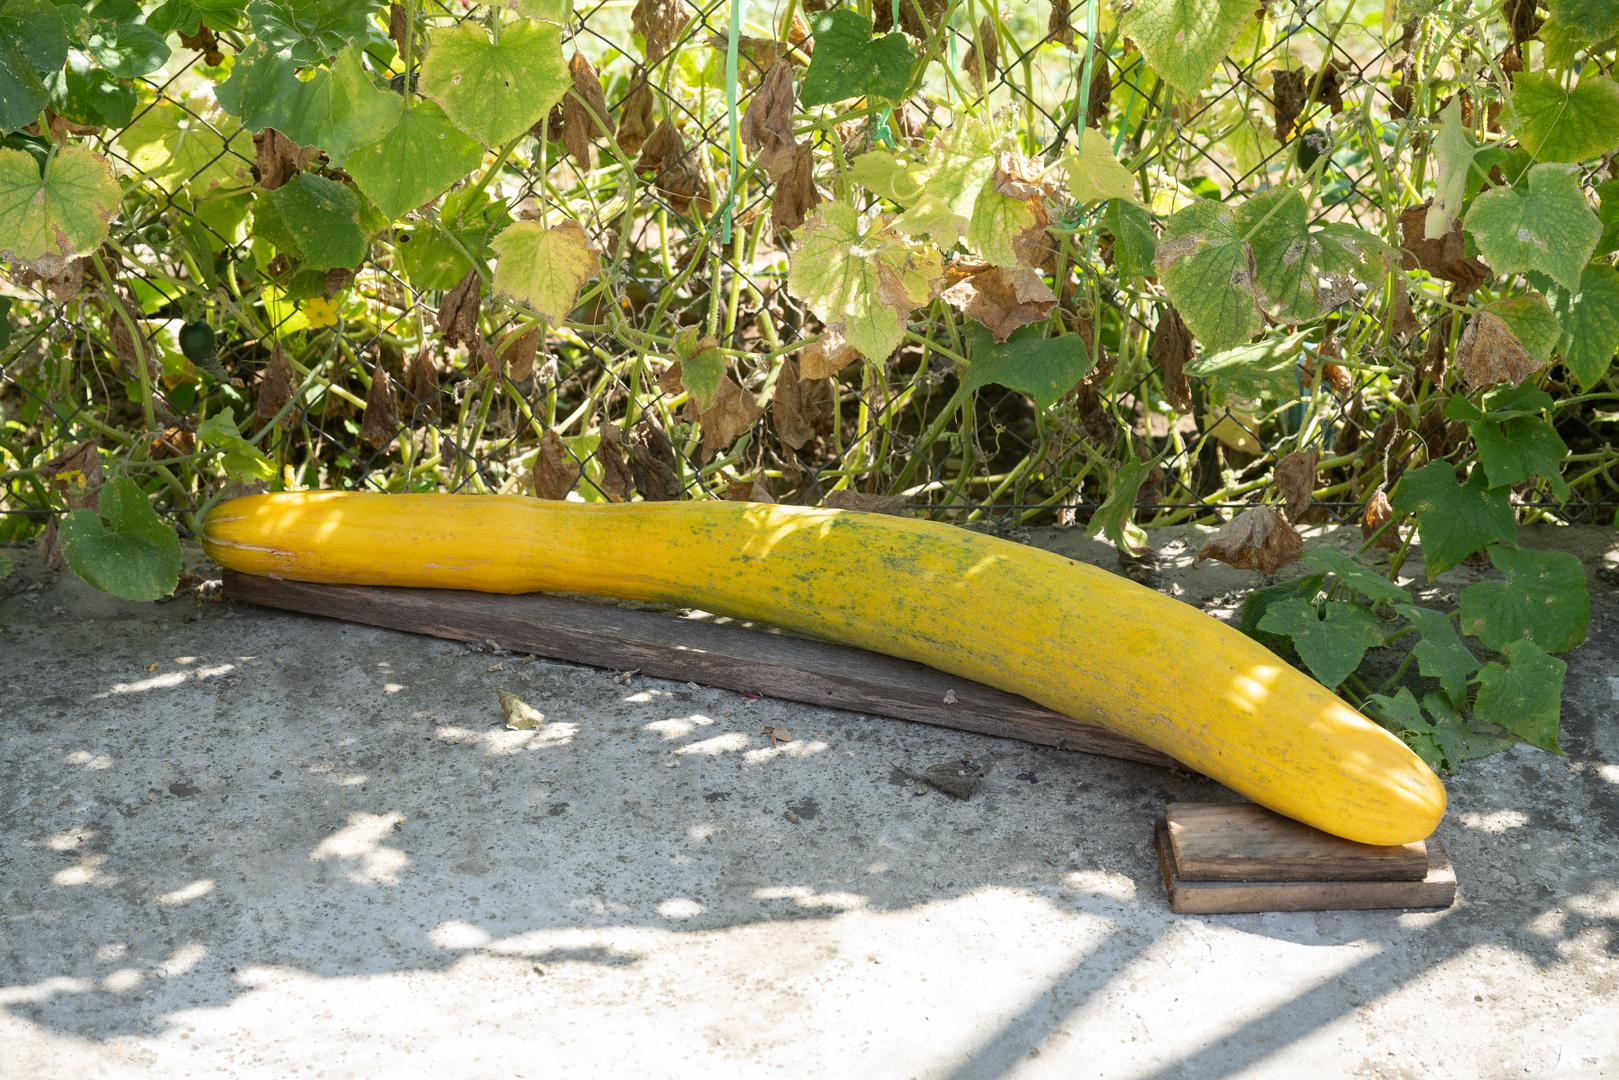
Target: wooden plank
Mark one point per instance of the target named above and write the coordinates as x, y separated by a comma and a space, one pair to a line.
1245, 842
1436, 890
690, 649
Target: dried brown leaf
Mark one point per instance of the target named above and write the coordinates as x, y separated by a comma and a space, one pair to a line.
1377, 514
1002, 298
1445, 258
1289, 94
920, 24
399, 26
421, 386
1490, 353
380, 421
75, 474
653, 465
793, 407
1295, 479
734, 411
635, 113
278, 159
660, 24
275, 386
1100, 97
458, 311
584, 111
519, 350
616, 482
826, 355
795, 193
555, 469
1259, 538
869, 504
767, 125
752, 489
1021, 178
1171, 352
981, 64
1058, 25
677, 168
520, 715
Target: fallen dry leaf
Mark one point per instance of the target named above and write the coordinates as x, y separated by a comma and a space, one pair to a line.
1002, 298
752, 489
826, 355
616, 481
380, 421
777, 735
458, 311
555, 470
870, 504
1379, 513
584, 111
520, 715
1259, 538
1058, 26
653, 464
1490, 353
623, 678
279, 159
1171, 352
793, 407
274, 388
1445, 258
1295, 479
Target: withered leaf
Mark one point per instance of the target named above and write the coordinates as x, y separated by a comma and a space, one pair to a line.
678, 169
1379, 513
767, 125
1058, 25
795, 195
1101, 94
380, 421
792, 407
752, 489
278, 158
520, 715
983, 57
1490, 353
870, 504
1002, 298
635, 113
916, 17
660, 23
421, 386
275, 387
399, 26
1259, 538
1289, 96
1403, 322
1171, 352
826, 355
1295, 479
584, 110
519, 350
734, 411
1445, 258
75, 474
757, 54
458, 311
555, 470
1436, 355
653, 465
616, 481
1018, 177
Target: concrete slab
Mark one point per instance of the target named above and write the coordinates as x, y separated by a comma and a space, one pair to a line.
243, 843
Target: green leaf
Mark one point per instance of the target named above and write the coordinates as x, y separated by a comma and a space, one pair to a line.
1523, 446
177, 148
1555, 124
1608, 214
1446, 741
1453, 156
182, 16
309, 30
847, 63
128, 50
1208, 271
1028, 362
323, 219
1266, 370
1184, 40
6, 566
420, 156
1550, 227
1331, 640
702, 367
496, 91
1355, 574
1531, 321
337, 110
544, 268
1525, 696
242, 460
1440, 653
860, 281
1258, 602
1590, 318
996, 223
122, 547
87, 94
1508, 401
1095, 174
1134, 243
1303, 273
1572, 23
1543, 599
1454, 519
432, 252
557, 11
52, 218
1113, 518
33, 44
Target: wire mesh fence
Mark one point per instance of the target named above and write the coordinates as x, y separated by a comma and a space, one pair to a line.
367, 379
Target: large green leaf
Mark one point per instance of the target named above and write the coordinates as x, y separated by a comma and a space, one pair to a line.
1555, 124
1303, 273
1440, 652
337, 110
1445, 742
544, 268
1184, 40
1134, 243
171, 147
309, 30
996, 224
322, 217
1331, 640
33, 44
1095, 174
87, 93
848, 63
1590, 320
127, 50
1543, 599
51, 218
1525, 695
421, 155
496, 91
1454, 519
122, 547
1356, 575
1029, 362
1548, 227
1266, 370
241, 460
1208, 270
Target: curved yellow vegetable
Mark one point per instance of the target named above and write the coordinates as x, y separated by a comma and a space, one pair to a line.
1074, 638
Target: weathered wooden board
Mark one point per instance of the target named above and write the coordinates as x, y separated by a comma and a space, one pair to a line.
1435, 889
1245, 842
701, 650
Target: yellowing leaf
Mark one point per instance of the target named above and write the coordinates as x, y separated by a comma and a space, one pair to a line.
47, 220
1184, 40
496, 91
544, 268
1094, 173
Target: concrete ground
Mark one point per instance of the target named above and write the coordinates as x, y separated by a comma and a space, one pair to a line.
236, 842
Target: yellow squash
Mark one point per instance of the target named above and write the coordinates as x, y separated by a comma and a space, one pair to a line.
1074, 638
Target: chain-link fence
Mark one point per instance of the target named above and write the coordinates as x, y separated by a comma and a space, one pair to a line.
382, 390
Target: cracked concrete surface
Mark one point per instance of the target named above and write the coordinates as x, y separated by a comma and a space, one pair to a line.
243, 843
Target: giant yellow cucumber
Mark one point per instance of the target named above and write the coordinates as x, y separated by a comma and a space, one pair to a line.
1074, 638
